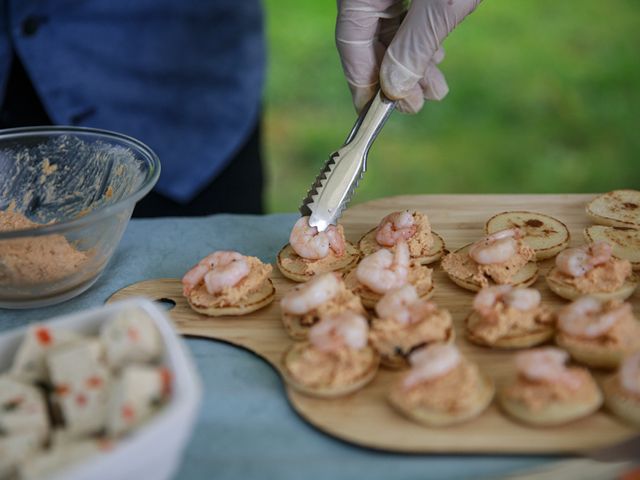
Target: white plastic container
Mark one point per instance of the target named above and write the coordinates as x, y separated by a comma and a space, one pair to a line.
154, 450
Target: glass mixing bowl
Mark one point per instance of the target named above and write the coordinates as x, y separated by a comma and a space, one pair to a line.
66, 196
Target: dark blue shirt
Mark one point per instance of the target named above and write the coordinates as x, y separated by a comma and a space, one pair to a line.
183, 76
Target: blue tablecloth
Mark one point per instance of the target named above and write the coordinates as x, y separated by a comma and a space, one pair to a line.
246, 428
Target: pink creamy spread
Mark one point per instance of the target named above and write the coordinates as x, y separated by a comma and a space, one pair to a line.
230, 296
295, 263
504, 321
538, 395
390, 337
421, 241
317, 368
607, 277
419, 276
623, 335
344, 300
461, 265
458, 390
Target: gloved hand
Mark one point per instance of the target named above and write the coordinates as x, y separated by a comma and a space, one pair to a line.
380, 41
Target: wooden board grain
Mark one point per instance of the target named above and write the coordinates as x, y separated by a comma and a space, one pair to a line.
365, 418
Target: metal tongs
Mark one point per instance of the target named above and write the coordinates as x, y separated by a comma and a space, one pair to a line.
338, 179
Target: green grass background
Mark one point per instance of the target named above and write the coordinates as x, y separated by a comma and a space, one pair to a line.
544, 97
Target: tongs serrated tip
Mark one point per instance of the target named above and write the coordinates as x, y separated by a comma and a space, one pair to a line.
340, 175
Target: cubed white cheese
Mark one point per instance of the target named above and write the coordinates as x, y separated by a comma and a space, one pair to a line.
29, 363
136, 393
17, 449
131, 337
22, 409
80, 381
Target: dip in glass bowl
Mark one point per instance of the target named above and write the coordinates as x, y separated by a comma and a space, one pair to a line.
66, 196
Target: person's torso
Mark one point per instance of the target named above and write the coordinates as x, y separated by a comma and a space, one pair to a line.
183, 76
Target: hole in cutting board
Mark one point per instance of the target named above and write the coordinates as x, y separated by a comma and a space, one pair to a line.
165, 303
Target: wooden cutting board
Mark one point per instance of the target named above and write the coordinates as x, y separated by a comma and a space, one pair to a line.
365, 418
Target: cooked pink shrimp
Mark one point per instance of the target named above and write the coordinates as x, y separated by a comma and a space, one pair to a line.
588, 318
345, 329
383, 270
578, 261
218, 270
630, 373
194, 276
404, 306
486, 298
496, 248
522, 299
395, 303
310, 295
227, 269
546, 365
431, 362
394, 227
420, 309
307, 242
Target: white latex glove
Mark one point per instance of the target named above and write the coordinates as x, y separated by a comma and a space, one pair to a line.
381, 42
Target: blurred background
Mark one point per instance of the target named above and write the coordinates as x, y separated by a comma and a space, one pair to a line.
544, 97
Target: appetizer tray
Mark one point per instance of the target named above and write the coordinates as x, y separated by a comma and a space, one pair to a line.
365, 418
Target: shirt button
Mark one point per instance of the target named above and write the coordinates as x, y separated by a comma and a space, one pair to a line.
31, 24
